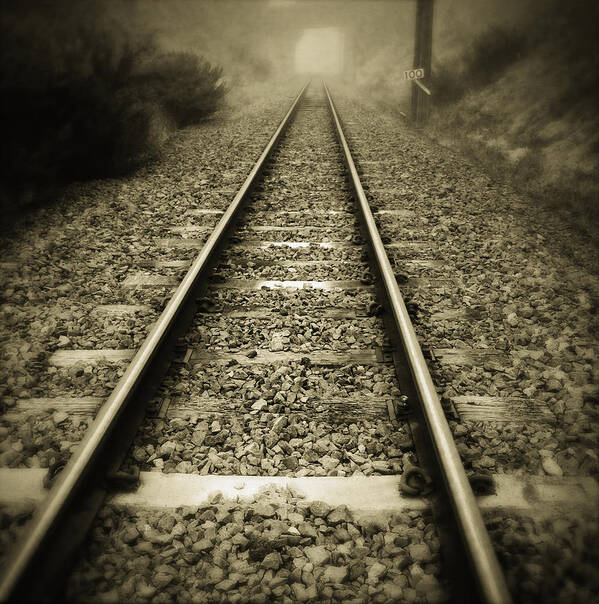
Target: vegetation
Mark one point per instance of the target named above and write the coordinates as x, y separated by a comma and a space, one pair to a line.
525, 106
483, 61
84, 98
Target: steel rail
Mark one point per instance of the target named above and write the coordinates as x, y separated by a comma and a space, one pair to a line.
483, 561
42, 525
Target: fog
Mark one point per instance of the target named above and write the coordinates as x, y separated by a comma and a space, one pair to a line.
258, 40
255, 41
143, 57
320, 50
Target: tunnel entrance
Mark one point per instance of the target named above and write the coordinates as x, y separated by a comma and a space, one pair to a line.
319, 50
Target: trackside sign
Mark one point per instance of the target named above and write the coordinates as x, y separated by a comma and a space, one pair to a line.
414, 74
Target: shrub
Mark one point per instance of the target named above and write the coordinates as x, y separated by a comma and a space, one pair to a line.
252, 65
483, 62
84, 98
447, 85
491, 53
184, 85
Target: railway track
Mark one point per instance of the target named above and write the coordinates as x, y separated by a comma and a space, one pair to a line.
294, 386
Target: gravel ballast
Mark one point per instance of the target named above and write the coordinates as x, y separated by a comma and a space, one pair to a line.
74, 255
523, 285
296, 416
61, 264
265, 444
291, 417
276, 547
548, 559
510, 265
492, 282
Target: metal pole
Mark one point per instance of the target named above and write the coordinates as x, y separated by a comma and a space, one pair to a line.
423, 43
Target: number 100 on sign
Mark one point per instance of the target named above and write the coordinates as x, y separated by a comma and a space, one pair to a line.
414, 74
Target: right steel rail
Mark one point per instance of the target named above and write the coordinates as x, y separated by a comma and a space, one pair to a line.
483, 561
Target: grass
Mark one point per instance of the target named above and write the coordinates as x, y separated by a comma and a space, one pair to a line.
559, 61
578, 206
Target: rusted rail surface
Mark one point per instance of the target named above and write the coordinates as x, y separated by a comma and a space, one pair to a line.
481, 555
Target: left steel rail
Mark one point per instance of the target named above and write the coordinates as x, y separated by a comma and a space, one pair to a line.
59, 525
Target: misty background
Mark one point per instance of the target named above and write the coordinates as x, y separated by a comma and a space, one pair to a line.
95, 88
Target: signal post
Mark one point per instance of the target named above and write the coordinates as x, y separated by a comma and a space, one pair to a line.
423, 42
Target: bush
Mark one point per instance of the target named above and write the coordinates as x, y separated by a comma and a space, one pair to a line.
84, 98
183, 84
483, 62
447, 85
491, 53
